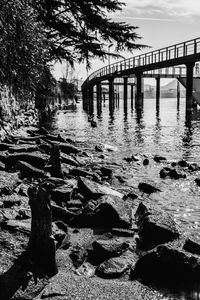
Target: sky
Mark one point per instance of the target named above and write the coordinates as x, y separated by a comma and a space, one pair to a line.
161, 23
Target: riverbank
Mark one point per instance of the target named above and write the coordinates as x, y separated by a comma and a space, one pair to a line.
100, 247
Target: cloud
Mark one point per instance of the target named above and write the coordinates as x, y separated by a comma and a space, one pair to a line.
143, 18
173, 8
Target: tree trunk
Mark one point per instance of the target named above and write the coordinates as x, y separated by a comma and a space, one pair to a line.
41, 247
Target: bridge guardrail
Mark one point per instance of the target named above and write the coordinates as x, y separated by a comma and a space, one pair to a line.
180, 50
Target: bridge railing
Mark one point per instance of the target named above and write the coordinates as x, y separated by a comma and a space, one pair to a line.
180, 50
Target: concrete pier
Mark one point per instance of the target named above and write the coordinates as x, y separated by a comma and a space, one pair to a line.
157, 92
111, 94
132, 93
139, 91
189, 87
125, 91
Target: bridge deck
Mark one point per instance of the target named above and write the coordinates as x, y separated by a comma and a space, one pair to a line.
162, 59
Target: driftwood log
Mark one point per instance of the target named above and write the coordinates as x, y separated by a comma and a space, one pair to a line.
41, 247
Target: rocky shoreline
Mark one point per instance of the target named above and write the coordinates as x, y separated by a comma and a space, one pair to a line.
108, 242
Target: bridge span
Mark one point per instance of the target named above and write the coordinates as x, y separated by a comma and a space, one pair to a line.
176, 61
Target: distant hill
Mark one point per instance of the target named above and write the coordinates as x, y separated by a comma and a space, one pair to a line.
172, 85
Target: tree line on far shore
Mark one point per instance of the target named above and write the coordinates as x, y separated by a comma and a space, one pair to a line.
34, 34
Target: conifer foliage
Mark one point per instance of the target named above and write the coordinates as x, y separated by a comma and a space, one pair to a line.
81, 29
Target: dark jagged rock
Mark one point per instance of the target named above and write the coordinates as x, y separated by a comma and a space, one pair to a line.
106, 171
159, 158
78, 255
43, 131
148, 188
36, 159
193, 167
112, 268
27, 170
146, 162
99, 148
44, 148
197, 180
77, 172
67, 148
23, 148
94, 190
169, 263
107, 211
131, 195
192, 245
69, 160
172, 173
154, 226
4, 146
165, 172
63, 193
105, 249
61, 214
74, 203
182, 163
62, 225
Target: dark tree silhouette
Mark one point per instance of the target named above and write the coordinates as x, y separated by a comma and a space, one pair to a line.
80, 29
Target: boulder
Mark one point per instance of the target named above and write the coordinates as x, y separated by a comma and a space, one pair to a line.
182, 163
86, 269
192, 245
172, 173
78, 255
36, 159
105, 249
169, 263
63, 193
148, 188
94, 190
115, 267
107, 212
146, 162
154, 226
27, 170
193, 167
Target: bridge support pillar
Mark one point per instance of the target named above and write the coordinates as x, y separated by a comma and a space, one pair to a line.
98, 90
189, 87
139, 91
132, 89
91, 100
111, 94
178, 94
157, 92
125, 91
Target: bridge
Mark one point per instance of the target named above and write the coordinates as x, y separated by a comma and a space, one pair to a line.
176, 61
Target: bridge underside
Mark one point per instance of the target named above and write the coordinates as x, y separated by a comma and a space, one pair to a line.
177, 61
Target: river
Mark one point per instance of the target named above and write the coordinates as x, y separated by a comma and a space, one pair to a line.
165, 132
